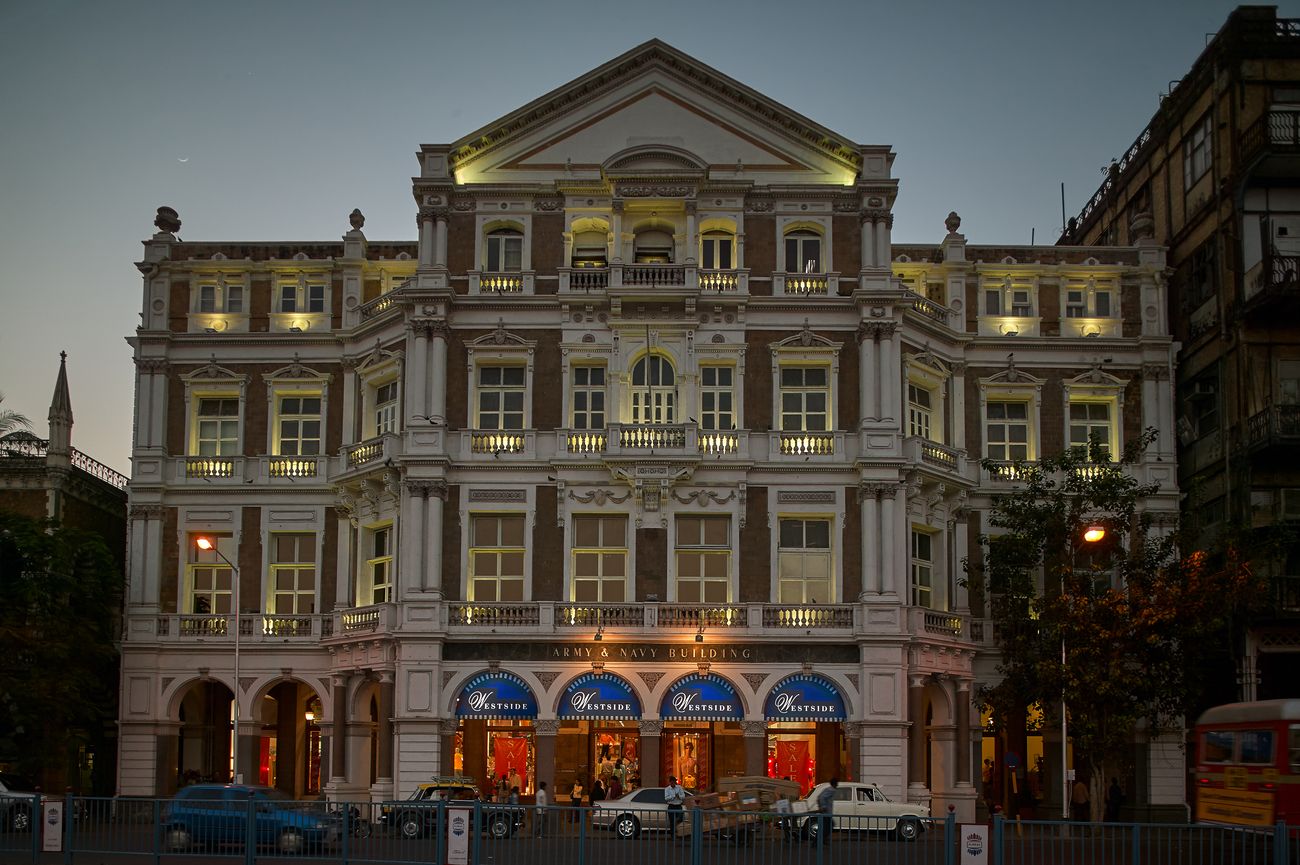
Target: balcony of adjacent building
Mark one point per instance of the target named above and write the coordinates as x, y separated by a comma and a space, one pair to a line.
1270, 146
219, 629
1272, 288
1273, 432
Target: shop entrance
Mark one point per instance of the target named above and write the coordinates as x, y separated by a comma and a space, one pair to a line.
616, 755
686, 751
498, 753
792, 753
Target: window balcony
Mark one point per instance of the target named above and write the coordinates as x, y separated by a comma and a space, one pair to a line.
936, 456
1273, 428
366, 456
805, 284
1273, 286
938, 623
379, 306
291, 468
498, 444
254, 628
583, 279
649, 276
681, 277
1271, 145
724, 282
615, 621
932, 310
1007, 472
507, 282
583, 441
807, 444
211, 469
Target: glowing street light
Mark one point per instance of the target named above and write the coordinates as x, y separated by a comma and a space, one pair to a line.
1091, 535
210, 545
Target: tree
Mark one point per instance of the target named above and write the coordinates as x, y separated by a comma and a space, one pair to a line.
1137, 618
59, 601
12, 422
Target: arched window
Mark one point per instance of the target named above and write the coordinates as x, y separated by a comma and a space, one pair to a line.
718, 250
654, 391
653, 247
803, 251
505, 251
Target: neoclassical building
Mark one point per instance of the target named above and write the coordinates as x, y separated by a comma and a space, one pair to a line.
652, 454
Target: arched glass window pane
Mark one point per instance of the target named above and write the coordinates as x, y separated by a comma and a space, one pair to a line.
654, 391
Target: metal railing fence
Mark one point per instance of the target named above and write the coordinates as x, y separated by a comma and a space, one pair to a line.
168, 832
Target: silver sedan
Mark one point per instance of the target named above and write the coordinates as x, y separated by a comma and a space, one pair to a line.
640, 811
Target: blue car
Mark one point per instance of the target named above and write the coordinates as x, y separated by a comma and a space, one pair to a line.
216, 814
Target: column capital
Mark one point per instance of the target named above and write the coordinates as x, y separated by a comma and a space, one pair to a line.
876, 330
616, 205
146, 512
753, 728
548, 727
152, 364
448, 726
873, 214
876, 490
651, 728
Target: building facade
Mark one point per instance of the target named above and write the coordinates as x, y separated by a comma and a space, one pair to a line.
1213, 178
653, 455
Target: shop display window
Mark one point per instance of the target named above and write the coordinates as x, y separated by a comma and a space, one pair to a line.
792, 753
687, 755
616, 757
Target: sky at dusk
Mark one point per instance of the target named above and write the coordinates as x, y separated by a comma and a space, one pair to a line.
273, 120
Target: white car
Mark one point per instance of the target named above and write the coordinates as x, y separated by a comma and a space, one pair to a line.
860, 807
19, 802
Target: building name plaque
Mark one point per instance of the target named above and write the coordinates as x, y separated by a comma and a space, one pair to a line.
587, 650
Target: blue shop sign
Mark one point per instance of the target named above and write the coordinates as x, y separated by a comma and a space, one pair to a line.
599, 696
804, 697
496, 695
707, 697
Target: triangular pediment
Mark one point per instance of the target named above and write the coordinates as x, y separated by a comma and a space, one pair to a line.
655, 112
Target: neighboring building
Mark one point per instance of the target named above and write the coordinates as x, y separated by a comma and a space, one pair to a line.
652, 446
50, 479
1215, 177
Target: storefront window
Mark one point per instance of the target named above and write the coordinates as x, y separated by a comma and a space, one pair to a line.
792, 753
497, 753
616, 757
687, 755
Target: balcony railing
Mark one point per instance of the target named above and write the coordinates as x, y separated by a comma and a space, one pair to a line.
380, 305
1272, 132
497, 442
369, 451
599, 615
721, 281
807, 444
549, 617
253, 627
808, 617
581, 442
696, 616
650, 436
501, 283
929, 308
584, 279
493, 615
292, 467
936, 454
1279, 424
806, 283
719, 442
654, 275
34, 447
1277, 275
209, 467
1007, 471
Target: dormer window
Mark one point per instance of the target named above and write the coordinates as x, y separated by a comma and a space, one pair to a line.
505, 251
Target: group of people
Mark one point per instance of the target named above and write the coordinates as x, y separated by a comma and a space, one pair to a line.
1080, 796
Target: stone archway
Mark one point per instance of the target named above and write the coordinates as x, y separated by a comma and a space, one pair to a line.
284, 744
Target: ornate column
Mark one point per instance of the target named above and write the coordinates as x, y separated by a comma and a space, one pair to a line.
692, 242
144, 583
957, 398
546, 731
438, 332
888, 562
884, 223
425, 222
150, 410
384, 769
351, 412
1156, 412
650, 732
417, 400
345, 507
755, 733
440, 215
866, 226
616, 228
338, 750
853, 736
868, 392
916, 735
869, 520
412, 531
963, 751
890, 370
436, 499
960, 540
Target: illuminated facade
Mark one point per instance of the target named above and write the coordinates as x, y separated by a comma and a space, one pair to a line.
652, 455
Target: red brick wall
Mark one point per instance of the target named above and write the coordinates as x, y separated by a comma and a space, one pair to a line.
171, 562
758, 379
651, 563
760, 250
460, 246
847, 414
548, 549
451, 553
27, 503
178, 306
846, 240
548, 383
755, 543
250, 559
259, 305
548, 249
850, 546
329, 560
458, 378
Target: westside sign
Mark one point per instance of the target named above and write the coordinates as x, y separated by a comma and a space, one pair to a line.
602, 696
496, 695
706, 697
804, 697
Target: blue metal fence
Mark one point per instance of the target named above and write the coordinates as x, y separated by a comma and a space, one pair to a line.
128, 831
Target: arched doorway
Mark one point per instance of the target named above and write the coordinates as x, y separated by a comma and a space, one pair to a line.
204, 738
288, 746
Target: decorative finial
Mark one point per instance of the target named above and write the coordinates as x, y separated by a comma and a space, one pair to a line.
357, 219
953, 222
167, 220
63, 357
1142, 226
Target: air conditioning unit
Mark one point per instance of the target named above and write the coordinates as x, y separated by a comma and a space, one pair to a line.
1186, 431
1290, 505
1286, 234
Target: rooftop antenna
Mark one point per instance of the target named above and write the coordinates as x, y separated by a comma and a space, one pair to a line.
1063, 223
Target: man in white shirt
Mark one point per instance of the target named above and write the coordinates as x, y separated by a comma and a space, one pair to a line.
539, 820
675, 796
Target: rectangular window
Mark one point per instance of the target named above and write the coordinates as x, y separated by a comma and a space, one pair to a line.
1197, 152
600, 555
717, 398
496, 558
211, 580
315, 298
302, 298
505, 252
379, 567
386, 408
1217, 746
1101, 304
922, 569
588, 397
1200, 274
207, 298
299, 421
1089, 421
1021, 304
1288, 382
993, 301
703, 560
804, 562
1076, 305
805, 399
221, 298
1201, 401
1256, 747
803, 252
919, 411
1007, 431
293, 573
716, 252
500, 398
218, 426
288, 298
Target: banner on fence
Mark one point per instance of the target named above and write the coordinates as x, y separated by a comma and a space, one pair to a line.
52, 826
974, 846
458, 821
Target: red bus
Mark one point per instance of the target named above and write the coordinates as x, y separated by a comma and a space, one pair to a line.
1248, 764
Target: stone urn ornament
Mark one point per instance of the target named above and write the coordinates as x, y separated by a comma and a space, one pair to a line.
357, 219
167, 220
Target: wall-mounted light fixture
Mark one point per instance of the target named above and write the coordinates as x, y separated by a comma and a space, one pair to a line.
600, 634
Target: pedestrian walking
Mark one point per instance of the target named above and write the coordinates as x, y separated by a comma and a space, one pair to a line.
540, 813
1080, 802
1114, 801
826, 811
575, 800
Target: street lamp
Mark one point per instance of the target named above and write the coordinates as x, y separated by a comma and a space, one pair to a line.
210, 545
1092, 534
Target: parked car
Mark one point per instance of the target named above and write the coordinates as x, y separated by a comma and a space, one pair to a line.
18, 802
417, 815
860, 807
642, 810
214, 814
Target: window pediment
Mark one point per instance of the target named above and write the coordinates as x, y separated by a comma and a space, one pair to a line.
296, 373
806, 340
378, 358
654, 160
212, 373
501, 339
1095, 378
